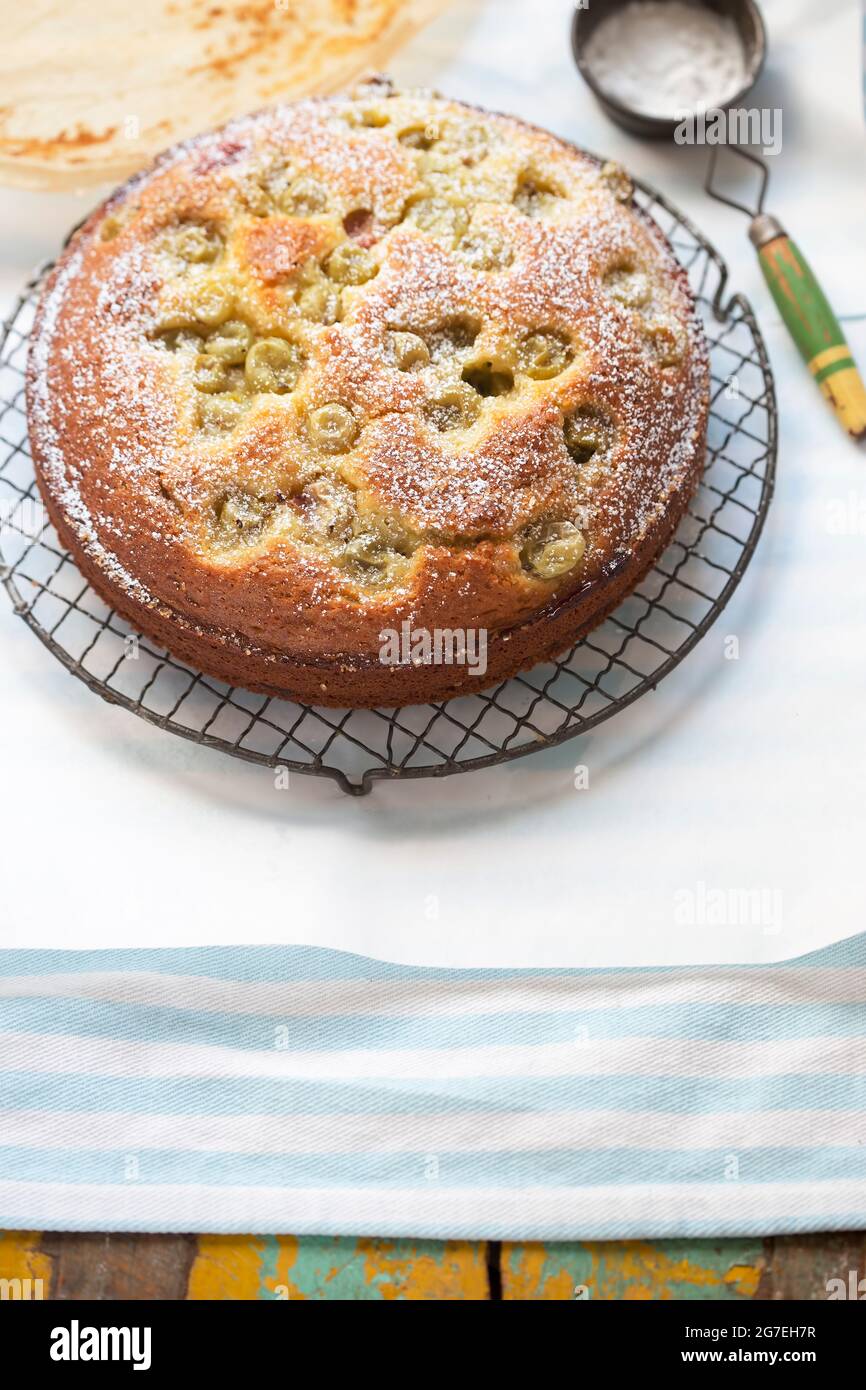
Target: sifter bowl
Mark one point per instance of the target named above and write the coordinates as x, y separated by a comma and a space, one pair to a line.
750, 27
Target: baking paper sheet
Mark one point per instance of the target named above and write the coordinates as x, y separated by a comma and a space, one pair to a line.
723, 817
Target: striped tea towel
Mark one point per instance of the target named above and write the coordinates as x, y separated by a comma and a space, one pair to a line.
307, 1091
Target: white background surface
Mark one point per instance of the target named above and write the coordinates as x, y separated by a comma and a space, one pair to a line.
735, 775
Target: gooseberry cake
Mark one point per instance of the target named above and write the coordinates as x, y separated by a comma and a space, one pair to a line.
372, 364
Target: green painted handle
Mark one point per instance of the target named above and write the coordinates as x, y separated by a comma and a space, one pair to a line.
816, 330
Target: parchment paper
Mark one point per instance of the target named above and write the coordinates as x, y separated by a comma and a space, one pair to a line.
723, 820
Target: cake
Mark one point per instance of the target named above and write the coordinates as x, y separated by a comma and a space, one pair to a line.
373, 364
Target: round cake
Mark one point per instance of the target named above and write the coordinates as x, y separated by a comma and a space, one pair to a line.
334, 399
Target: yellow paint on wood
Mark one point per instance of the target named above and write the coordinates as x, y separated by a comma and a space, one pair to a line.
528, 1274
628, 1270
744, 1279
636, 1270
454, 1270
21, 1258
226, 1268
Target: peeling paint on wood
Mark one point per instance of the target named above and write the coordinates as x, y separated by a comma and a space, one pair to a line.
21, 1258
333, 1267
72, 1265
633, 1270
227, 1268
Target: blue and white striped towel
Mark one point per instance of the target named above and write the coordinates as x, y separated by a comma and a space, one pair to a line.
302, 1090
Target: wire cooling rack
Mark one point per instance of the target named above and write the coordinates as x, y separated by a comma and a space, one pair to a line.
644, 639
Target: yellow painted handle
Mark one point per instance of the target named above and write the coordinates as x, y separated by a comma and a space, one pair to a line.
816, 330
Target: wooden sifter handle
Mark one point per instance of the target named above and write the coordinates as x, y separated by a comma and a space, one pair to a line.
811, 322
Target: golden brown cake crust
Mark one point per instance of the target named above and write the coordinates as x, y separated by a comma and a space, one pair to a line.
360, 362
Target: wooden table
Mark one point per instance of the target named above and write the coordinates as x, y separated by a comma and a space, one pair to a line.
73, 1266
